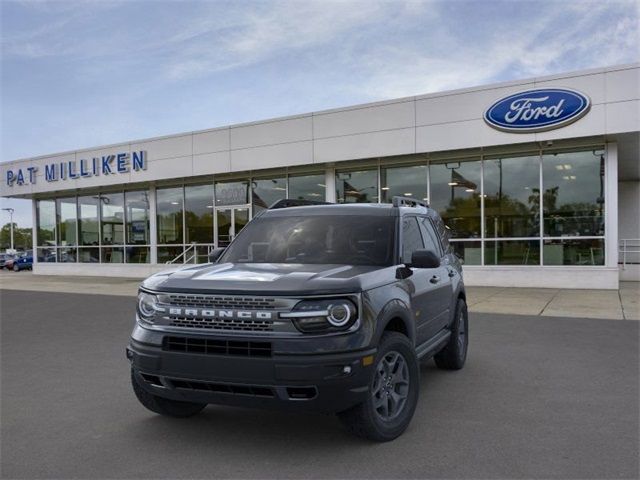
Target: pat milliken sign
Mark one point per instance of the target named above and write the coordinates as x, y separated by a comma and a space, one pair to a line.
105, 165
537, 110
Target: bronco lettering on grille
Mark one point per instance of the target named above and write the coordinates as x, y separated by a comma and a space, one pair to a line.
233, 314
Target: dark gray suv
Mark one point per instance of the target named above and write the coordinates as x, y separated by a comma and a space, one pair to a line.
313, 308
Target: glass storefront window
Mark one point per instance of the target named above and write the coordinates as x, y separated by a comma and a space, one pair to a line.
512, 197
455, 195
573, 251
573, 200
166, 254
137, 254
512, 252
67, 221
88, 227
67, 255
357, 187
46, 222
307, 187
89, 255
46, 254
112, 218
469, 252
404, 181
169, 214
112, 255
266, 192
137, 218
232, 193
199, 213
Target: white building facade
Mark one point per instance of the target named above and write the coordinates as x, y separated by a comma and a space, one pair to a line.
538, 181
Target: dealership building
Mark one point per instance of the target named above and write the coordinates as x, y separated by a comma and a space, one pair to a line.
537, 180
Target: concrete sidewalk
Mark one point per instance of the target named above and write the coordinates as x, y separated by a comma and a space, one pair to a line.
623, 304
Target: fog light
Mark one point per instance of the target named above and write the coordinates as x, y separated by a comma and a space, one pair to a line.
368, 360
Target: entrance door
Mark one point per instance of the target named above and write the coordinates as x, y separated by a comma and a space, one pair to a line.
229, 222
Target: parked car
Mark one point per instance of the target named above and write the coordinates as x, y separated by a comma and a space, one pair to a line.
310, 308
7, 261
23, 262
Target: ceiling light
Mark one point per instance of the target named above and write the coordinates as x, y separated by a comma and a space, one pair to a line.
175, 203
452, 184
572, 177
322, 185
209, 206
408, 194
384, 188
567, 166
566, 177
470, 190
559, 167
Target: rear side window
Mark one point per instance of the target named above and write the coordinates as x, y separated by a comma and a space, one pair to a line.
411, 238
431, 240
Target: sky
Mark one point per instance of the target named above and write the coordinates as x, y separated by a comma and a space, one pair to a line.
87, 73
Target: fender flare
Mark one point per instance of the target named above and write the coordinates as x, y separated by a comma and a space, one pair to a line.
395, 309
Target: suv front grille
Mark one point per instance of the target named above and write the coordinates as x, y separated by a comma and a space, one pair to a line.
226, 324
217, 347
217, 301
252, 390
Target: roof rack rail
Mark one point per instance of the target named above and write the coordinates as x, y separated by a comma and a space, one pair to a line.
399, 201
292, 202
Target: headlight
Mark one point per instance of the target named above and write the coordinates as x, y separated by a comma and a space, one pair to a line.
147, 303
319, 316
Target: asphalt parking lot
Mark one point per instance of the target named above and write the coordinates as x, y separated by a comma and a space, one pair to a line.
540, 397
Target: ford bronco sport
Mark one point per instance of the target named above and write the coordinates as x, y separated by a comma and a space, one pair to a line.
313, 308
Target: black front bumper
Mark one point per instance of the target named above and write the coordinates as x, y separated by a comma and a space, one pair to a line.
320, 382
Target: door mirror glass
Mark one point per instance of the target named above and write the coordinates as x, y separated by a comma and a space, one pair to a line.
215, 254
424, 259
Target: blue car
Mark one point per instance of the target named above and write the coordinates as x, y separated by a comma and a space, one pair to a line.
23, 262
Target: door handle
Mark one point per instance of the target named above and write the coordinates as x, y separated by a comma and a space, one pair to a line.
452, 273
435, 279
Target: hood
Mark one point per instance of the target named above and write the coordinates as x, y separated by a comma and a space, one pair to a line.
271, 278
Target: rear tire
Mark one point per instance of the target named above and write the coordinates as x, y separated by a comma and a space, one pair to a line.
393, 392
164, 406
454, 355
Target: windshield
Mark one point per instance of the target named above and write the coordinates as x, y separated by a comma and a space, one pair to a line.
338, 239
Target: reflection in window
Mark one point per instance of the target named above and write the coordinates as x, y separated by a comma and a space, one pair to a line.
404, 181
46, 222
112, 218
512, 197
469, 252
67, 221
573, 251
232, 193
512, 252
198, 213
137, 254
455, 195
357, 187
307, 187
169, 212
573, 199
137, 218
266, 192
411, 238
88, 233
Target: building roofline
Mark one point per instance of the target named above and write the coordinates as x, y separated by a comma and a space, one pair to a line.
478, 88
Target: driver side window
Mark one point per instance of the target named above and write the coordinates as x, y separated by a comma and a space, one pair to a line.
411, 238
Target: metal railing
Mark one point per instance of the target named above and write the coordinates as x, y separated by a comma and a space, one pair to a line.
190, 249
628, 247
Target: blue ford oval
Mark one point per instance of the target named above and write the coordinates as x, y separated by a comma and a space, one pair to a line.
537, 110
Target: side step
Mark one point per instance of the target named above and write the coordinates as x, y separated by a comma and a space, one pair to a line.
431, 347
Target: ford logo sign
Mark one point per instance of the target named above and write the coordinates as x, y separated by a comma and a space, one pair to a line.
537, 110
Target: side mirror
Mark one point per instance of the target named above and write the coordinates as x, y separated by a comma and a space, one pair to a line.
424, 259
215, 254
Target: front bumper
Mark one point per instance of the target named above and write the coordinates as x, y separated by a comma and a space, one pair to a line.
328, 382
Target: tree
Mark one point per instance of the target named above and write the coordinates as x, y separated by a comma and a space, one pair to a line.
21, 237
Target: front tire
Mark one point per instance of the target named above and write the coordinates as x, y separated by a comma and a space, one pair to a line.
164, 406
454, 355
393, 392
16, 268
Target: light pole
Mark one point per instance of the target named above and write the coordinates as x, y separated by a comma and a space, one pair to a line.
10, 210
